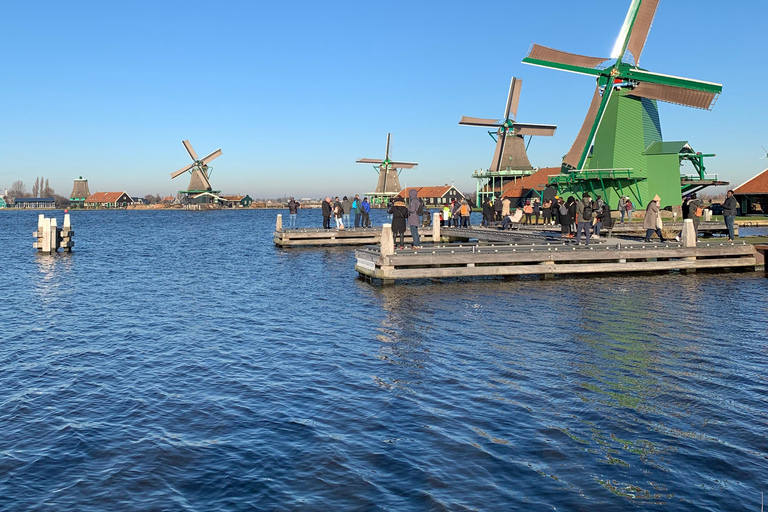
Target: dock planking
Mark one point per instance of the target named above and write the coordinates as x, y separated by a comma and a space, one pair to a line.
307, 237
548, 258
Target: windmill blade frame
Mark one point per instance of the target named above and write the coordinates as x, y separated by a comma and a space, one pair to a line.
479, 121
403, 165
678, 95
190, 150
580, 147
373, 161
544, 56
211, 157
513, 98
641, 28
543, 130
182, 170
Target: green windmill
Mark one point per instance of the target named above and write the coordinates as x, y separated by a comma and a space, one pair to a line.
619, 149
388, 170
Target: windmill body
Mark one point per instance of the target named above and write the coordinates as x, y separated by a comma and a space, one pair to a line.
388, 185
510, 159
199, 190
619, 149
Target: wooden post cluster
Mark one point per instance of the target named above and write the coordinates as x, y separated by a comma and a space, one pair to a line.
50, 237
279, 223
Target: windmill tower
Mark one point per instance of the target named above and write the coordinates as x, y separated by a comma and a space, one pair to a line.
389, 176
79, 193
199, 189
619, 149
510, 160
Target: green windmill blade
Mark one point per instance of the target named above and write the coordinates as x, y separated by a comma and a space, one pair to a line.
644, 84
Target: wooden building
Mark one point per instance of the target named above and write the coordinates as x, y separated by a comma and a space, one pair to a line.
108, 200
529, 187
79, 193
34, 203
434, 196
753, 195
236, 201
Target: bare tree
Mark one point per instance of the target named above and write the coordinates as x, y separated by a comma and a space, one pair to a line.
18, 189
47, 190
36, 188
149, 198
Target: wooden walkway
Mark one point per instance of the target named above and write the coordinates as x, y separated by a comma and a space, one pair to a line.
634, 228
547, 258
304, 237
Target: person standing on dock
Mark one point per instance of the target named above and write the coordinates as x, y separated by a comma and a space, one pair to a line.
415, 211
536, 209
347, 205
564, 218
546, 212
327, 210
399, 213
555, 210
584, 213
338, 213
366, 207
487, 213
630, 209
572, 214
293, 210
505, 204
652, 221
464, 212
730, 209
358, 209
528, 211
497, 209
622, 206
695, 212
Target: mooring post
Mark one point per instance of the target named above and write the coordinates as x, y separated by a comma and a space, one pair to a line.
67, 234
46, 242
436, 228
707, 215
54, 236
688, 237
387, 240
279, 223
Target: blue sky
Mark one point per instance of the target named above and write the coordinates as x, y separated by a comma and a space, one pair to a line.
295, 92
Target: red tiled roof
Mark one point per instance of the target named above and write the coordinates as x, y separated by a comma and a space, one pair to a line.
757, 185
106, 197
536, 181
426, 191
233, 198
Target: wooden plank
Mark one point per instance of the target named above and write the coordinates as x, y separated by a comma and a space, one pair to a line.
533, 269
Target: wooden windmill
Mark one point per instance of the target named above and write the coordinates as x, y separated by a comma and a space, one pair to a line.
510, 160
199, 182
619, 148
389, 175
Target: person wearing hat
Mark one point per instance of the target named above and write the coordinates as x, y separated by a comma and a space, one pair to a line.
652, 221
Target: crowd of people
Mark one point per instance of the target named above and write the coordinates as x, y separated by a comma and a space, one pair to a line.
584, 218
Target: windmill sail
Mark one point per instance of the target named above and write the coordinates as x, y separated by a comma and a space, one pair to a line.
641, 28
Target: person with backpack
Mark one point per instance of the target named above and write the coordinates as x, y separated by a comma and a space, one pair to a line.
564, 216
584, 221
597, 207
602, 220
695, 211
399, 212
630, 209
365, 206
466, 211
415, 211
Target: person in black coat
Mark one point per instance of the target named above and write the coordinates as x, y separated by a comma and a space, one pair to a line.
399, 212
327, 210
571, 204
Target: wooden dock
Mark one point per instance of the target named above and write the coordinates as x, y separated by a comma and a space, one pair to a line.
304, 237
548, 258
634, 228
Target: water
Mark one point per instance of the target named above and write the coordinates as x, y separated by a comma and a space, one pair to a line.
179, 361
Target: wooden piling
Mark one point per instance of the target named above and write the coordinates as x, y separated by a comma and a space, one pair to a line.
387, 240
46, 239
688, 237
436, 228
279, 223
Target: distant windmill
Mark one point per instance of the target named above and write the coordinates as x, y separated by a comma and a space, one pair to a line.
389, 175
766, 153
510, 145
200, 171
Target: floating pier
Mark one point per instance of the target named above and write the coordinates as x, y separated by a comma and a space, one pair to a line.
549, 258
302, 237
50, 237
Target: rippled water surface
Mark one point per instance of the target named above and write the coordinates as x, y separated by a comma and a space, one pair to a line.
179, 361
